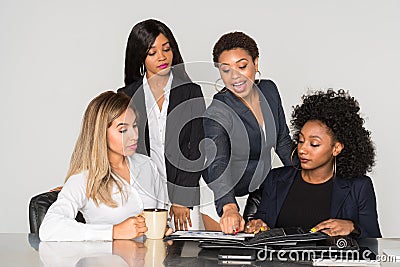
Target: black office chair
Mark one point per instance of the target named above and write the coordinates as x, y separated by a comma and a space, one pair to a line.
38, 207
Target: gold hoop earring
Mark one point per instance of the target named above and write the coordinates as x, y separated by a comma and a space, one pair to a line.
259, 77
141, 70
334, 167
291, 159
215, 85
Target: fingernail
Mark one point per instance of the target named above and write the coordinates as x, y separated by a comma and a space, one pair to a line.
313, 230
235, 230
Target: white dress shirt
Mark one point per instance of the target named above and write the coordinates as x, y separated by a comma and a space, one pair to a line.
157, 120
145, 190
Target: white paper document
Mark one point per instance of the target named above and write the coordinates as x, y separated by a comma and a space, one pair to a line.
211, 235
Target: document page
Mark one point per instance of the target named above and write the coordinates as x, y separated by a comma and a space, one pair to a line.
211, 235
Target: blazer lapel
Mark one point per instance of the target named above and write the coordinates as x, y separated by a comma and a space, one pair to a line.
139, 103
177, 96
242, 110
269, 120
282, 190
341, 189
268, 139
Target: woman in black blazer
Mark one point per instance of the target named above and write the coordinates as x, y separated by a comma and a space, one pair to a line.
245, 123
170, 107
329, 192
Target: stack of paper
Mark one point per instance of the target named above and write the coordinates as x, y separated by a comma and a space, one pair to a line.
201, 235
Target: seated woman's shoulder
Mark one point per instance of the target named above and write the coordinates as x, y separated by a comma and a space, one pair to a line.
75, 181
361, 180
77, 178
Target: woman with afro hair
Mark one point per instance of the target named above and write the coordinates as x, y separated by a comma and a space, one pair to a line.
329, 191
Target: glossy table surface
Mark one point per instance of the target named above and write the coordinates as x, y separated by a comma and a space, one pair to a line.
27, 250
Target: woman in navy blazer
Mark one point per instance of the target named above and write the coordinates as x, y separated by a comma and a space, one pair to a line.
330, 193
245, 124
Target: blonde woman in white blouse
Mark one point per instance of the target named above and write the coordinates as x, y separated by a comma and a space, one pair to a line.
107, 182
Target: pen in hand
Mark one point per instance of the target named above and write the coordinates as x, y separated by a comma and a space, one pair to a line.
235, 230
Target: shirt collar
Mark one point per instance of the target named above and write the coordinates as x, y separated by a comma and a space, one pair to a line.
167, 87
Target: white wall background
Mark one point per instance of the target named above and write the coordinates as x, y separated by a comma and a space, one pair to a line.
56, 56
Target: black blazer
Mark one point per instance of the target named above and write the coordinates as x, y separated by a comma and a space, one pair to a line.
240, 158
352, 199
184, 131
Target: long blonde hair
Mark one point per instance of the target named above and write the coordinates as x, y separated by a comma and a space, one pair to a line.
90, 152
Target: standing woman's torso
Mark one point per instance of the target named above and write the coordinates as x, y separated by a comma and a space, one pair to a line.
250, 146
171, 137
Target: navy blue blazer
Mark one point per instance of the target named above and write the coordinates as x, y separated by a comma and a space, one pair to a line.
239, 156
352, 199
184, 131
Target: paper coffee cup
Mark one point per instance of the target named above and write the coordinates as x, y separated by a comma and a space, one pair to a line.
156, 222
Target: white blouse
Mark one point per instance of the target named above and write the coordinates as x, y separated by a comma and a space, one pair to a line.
146, 190
157, 120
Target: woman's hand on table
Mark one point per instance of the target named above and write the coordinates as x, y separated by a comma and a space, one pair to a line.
255, 226
334, 227
181, 215
231, 221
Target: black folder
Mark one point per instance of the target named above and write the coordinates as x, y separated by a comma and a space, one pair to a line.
291, 238
287, 239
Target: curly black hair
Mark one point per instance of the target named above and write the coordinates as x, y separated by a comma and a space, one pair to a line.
234, 40
340, 113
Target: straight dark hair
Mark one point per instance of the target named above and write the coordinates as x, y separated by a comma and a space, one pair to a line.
141, 38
